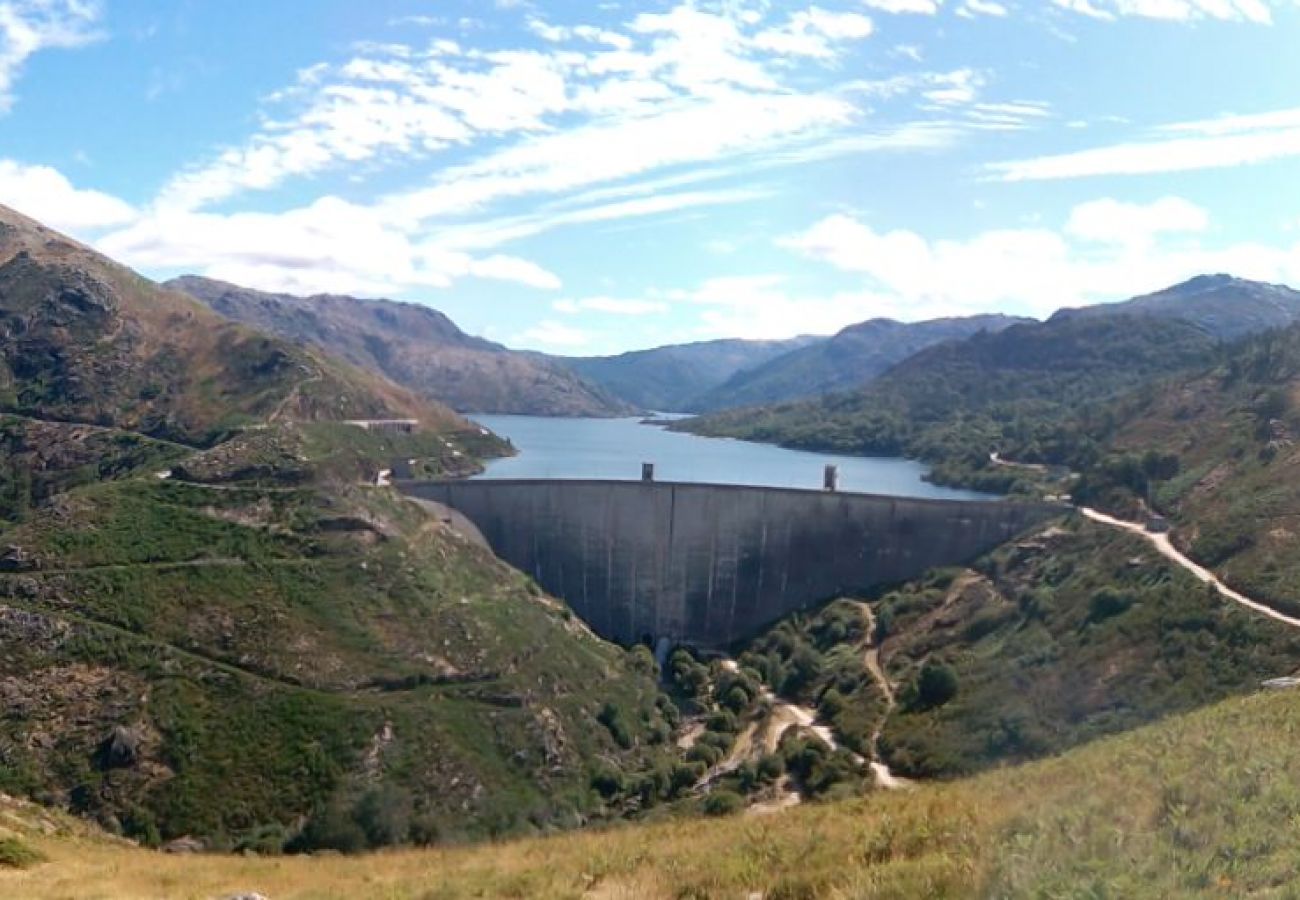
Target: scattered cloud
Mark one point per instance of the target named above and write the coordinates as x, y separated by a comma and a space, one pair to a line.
1222, 142
552, 334
922, 7
1106, 250
969, 9
329, 246
611, 305
1256, 11
47, 195
1135, 225
30, 26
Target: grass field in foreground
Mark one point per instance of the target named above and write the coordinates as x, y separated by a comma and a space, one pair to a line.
1202, 804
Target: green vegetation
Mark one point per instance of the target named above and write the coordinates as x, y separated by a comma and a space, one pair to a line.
1026, 392
16, 854
1066, 635
1194, 806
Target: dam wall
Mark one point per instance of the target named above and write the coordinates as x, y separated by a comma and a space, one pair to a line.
710, 564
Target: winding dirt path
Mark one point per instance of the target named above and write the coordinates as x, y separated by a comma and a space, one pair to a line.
1166, 548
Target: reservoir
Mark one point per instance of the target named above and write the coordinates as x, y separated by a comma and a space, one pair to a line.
614, 449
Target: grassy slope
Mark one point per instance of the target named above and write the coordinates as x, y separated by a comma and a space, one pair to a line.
1198, 805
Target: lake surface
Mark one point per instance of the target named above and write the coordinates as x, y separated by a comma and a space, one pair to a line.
615, 449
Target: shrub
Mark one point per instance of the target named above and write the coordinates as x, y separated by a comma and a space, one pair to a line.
14, 854
935, 685
611, 716
1108, 602
723, 803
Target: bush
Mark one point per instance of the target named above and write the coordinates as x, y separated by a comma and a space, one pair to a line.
935, 685
384, 816
1108, 602
14, 854
611, 716
723, 803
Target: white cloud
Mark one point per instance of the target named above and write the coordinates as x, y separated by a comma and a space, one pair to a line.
679, 87
1106, 251
30, 26
617, 306
46, 194
761, 307
1255, 11
923, 7
813, 32
969, 9
549, 333
1203, 144
329, 246
1110, 221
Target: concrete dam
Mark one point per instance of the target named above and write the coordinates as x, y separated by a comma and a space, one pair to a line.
707, 564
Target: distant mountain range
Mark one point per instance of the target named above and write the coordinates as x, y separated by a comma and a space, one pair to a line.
1018, 389
846, 360
415, 346
673, 378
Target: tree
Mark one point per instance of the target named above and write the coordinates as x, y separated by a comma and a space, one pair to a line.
935, 685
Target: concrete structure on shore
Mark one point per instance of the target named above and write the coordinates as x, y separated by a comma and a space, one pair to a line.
710, 564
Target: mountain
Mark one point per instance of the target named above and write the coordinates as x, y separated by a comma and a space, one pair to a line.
1224, 306
847, 360
953, 403
86, 340
214, 624
672, 378
415, 346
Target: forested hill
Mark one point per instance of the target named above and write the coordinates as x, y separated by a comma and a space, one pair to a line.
955, 402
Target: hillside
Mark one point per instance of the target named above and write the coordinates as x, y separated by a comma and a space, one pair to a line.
1190, 807
89, 341
415, 346
1228, 472
212, 624
847, 360
1222, 305
673, 378
954, 403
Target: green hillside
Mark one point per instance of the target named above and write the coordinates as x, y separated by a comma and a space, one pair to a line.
951, 405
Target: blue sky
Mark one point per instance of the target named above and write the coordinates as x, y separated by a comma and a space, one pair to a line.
594, 177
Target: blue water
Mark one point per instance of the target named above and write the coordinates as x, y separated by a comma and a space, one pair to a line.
615, 449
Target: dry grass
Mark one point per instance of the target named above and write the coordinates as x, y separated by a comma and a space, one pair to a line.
1200, 805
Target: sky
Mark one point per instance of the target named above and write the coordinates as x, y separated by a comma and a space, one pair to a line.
593, 177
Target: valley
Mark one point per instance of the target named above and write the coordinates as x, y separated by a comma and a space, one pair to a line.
217, 558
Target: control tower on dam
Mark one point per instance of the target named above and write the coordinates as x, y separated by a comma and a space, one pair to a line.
707, 564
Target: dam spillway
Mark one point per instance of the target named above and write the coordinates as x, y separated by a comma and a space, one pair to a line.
708, 564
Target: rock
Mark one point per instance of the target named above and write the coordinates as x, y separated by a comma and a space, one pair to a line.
185, 844
247, 895
120, 749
